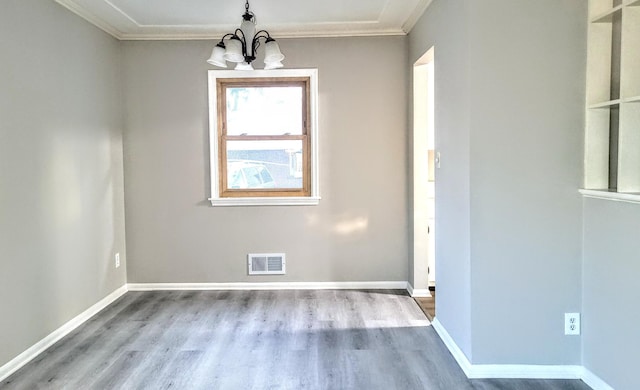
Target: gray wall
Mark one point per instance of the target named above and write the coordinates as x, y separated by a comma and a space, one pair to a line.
444, 25
509, 124
610, 291
61, 184
527, 124
509, 112
173, 233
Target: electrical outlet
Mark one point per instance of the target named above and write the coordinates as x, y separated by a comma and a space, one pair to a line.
572, 324
117, 260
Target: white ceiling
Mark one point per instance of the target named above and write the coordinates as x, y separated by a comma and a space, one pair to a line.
210, 19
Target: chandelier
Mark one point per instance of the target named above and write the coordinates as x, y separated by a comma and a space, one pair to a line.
241, 46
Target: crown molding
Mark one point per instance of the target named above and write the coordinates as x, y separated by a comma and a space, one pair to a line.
91, 18
283, 31
415, 15
280, 35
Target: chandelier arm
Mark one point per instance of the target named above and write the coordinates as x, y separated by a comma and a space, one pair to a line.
239, 34
262, 34
256, 41
248, 57
227, 35
256, 45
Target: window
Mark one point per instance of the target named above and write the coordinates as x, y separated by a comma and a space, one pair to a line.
263, 136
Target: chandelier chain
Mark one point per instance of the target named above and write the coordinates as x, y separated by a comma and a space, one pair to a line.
246, 5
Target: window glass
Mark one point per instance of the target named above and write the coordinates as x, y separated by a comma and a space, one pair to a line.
265, 164
264, 110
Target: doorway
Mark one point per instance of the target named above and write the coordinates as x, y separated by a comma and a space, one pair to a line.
424, 160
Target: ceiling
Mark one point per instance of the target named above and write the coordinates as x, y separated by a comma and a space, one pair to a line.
210, 19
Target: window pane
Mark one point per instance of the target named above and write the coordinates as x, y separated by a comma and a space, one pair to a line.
264, 111
264, 164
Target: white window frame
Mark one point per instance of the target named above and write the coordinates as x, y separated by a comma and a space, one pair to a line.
215, 199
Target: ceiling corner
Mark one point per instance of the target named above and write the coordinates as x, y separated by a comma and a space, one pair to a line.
91, 18
421, 7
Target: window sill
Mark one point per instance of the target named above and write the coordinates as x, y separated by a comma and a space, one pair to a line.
281, 201
609, 195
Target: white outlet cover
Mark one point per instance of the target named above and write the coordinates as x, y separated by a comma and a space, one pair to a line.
117, 260
571, 324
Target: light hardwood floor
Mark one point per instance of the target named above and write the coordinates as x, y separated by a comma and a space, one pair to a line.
428, 305
257, 340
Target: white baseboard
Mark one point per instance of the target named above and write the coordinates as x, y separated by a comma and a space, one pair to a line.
25, 357
525, 371
270, 286
418, 292
594, 381
451, 345
517, 371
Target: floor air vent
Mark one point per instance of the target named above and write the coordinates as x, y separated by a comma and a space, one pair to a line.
266, 263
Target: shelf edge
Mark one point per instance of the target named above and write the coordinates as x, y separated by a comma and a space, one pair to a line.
607, 195
602, 18
606, 104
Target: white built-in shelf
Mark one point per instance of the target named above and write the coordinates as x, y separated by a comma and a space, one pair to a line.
611, 195
606, 104
607, 17
614, 37
616, 102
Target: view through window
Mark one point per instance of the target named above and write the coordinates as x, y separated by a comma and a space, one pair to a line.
264, 112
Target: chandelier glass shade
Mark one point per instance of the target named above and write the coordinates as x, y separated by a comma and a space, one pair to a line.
241, 46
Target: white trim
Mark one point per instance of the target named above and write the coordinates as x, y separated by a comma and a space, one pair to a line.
284, 201
215, 198
215, 36
91, 18
421, 293
451, 345
389, 285
418, 292
615, 196
121, 12
515, 371
410, 23
186, 32
594, 381
25, 357
524, 371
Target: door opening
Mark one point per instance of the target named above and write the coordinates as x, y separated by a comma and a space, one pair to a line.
424, 157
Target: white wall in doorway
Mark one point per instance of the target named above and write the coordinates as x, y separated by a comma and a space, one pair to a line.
423, 174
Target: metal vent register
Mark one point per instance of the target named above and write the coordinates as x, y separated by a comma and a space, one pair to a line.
266, 263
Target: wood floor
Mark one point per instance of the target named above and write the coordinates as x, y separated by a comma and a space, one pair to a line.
428, 305
257, 340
